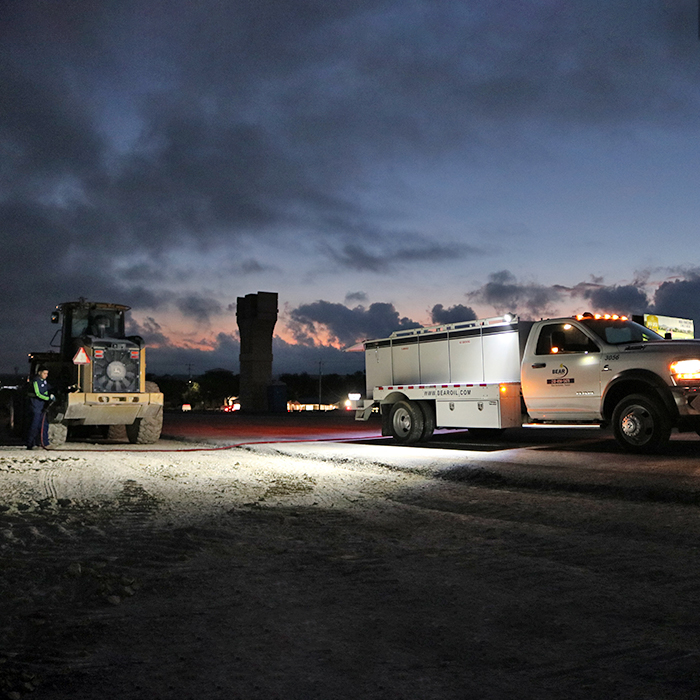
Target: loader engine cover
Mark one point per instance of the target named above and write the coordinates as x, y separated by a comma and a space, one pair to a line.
116, 367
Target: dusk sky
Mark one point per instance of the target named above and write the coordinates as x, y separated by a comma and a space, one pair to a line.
376, 163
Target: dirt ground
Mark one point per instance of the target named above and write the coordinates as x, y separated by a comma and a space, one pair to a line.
268, 572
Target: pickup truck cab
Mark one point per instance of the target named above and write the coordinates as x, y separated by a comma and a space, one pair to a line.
500, 372
612, 370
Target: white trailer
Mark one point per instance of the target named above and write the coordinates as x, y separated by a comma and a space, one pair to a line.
454, 375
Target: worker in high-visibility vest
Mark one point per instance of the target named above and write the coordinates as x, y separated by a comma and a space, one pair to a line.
40, 397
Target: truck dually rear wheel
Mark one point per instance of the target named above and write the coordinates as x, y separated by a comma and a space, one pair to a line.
641, 425
406, 422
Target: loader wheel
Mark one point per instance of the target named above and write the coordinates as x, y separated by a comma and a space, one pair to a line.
58, 434
146, 431
117, 433
640, 425
406, 421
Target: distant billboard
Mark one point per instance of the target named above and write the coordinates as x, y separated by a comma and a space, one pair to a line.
679, 328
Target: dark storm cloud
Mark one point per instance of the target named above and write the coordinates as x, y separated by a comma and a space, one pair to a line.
199, 307
128, 128
346, 325
625, 299
150, 330
166, 358
354, 256
44, 132
454, 314
505, 294
680, 298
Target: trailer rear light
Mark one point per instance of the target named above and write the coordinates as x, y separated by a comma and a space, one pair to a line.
684, 370
504, 389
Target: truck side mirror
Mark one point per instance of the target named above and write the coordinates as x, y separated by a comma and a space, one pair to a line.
55, 317
668, 335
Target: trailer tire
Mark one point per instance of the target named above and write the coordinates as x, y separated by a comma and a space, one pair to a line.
428, 408
640, 425
406, 422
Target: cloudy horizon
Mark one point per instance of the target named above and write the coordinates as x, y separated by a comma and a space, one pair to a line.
377, 164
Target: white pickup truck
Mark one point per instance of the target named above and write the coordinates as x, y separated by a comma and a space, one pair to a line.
497, 373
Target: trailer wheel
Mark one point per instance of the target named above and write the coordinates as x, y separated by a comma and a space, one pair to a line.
640, 425
406, 422
428, 408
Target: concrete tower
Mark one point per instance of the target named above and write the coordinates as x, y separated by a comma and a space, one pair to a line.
256, 315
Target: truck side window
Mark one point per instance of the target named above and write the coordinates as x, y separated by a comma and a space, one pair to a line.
557, 338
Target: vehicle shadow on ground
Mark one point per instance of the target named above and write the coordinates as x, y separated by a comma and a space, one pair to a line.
584, 440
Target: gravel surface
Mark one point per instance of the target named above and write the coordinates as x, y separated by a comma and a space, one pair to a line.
340, 571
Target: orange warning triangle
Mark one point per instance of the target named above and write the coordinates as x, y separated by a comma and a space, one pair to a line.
81, 358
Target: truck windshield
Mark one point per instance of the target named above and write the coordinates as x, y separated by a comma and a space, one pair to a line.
615, 332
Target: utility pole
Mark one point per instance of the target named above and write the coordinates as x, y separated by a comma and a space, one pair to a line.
320, 382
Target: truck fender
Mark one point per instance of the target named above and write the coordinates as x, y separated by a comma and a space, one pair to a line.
637, 381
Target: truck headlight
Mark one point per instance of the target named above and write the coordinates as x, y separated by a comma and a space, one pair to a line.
685, 369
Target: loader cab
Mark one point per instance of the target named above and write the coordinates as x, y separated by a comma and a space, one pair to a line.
83, 321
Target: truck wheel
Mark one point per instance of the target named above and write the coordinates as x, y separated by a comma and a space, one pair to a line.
640, 425
58, 434
428, 408
406, 422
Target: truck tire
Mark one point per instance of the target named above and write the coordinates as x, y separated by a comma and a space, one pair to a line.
146, 431
428, 408
406, 422
58, 434
640, 425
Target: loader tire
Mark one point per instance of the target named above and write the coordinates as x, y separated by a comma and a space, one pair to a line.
117, 433
146, 431
58, 434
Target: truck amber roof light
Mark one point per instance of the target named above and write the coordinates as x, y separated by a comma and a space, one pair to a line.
598, 317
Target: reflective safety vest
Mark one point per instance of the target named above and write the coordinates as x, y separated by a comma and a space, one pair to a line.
40, 387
